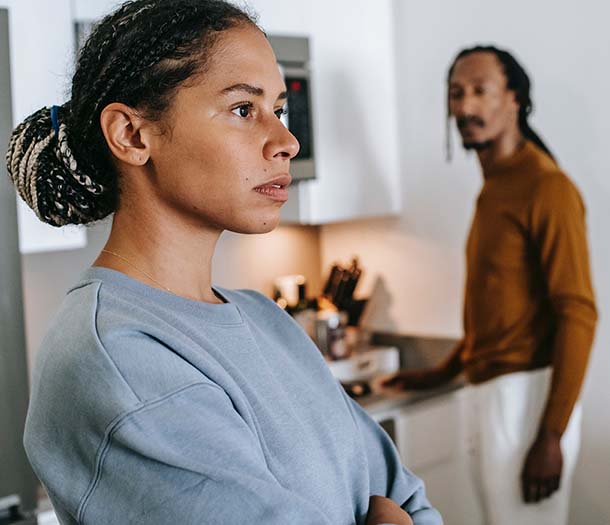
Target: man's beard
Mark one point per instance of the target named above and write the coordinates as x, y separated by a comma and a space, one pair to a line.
472, 120
477, 146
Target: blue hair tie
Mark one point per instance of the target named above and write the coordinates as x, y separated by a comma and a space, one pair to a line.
55, 118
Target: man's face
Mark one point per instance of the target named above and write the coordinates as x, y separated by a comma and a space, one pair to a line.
484, 108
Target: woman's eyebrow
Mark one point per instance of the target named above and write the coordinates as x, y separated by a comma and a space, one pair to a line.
251, 90
247, 88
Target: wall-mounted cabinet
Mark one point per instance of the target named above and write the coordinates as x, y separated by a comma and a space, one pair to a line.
354, 107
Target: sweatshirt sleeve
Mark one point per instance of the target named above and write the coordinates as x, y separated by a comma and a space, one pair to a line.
188, 458
559, 234
387, 476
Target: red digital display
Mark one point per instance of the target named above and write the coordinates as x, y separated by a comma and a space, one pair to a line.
295, 85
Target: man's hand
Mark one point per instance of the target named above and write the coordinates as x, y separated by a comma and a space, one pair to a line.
384, 510
428, 377
542, 470
413, 380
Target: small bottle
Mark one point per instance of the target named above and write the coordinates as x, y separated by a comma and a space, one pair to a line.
330, 334
337, 343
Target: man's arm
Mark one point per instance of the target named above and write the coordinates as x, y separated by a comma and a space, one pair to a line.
434, 377
559, 233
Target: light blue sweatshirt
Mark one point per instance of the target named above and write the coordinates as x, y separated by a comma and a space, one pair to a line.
155, 409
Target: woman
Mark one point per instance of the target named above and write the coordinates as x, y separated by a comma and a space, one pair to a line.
156, 397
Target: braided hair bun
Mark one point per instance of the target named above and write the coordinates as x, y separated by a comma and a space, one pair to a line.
48, 177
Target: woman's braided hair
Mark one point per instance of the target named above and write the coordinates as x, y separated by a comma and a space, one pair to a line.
139, 55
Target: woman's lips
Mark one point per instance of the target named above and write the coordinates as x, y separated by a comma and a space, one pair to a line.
276, 189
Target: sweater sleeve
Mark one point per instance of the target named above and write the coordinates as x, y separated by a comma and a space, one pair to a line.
559, 234
189, 458
387, 476
451, 366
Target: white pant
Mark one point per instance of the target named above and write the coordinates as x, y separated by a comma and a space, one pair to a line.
502, 419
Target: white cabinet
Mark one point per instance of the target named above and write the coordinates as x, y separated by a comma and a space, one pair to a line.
430, 439
42, 55
354, 107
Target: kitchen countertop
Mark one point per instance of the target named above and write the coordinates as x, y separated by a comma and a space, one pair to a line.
416, 352
389, 400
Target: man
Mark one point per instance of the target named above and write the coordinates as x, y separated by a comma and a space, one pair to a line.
529, 311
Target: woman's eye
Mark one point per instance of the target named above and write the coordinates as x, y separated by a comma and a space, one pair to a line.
279, 113
243, 111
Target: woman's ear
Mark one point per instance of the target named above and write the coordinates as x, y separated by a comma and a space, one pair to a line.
123, 129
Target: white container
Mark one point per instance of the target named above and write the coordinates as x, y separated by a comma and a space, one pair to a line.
365, 365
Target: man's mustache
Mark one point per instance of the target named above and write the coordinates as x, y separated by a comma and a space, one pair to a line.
467, 120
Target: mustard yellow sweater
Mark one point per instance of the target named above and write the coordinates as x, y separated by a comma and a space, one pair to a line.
529, 301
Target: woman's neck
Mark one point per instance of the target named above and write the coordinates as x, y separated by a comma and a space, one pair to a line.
156, 250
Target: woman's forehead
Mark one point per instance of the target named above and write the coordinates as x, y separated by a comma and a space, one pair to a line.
242, 55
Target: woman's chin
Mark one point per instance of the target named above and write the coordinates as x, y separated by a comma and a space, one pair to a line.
258, 225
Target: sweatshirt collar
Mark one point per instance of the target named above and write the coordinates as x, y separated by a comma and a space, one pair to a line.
520, 158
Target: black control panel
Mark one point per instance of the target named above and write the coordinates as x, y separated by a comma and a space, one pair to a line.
299, 120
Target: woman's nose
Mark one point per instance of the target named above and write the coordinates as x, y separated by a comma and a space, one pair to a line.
281, 142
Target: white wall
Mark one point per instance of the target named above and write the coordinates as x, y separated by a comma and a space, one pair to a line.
419, 258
